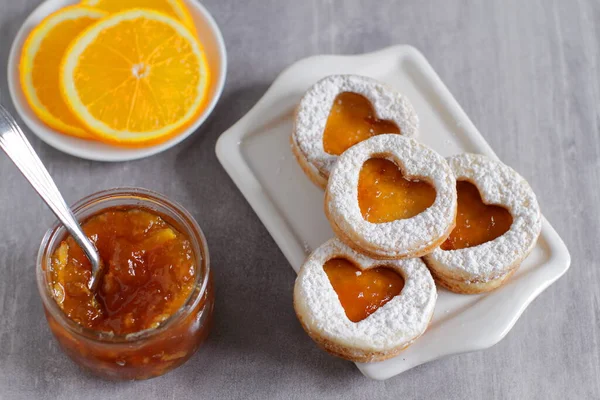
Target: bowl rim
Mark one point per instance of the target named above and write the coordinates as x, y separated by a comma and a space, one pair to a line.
97, 151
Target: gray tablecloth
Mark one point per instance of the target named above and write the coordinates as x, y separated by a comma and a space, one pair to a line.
526, 72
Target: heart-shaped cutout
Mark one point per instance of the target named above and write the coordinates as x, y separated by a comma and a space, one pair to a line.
476, 222
360, 292
352, 119
384, 195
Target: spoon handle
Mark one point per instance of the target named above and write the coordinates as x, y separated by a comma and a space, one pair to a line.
17, 147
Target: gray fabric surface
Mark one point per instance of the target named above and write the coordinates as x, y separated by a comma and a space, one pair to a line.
526, 72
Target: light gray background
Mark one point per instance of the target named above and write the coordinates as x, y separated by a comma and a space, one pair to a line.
526, 72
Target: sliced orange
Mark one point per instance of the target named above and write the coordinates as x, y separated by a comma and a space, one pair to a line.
40, 64
135, 78
173, 8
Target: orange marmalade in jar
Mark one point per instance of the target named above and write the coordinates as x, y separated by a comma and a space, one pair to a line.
153, 306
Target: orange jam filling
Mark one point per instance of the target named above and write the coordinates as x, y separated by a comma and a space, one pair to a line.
476, 222
384, 195
352, 120
361, 293
149, 272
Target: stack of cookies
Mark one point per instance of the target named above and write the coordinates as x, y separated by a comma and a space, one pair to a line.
405, 219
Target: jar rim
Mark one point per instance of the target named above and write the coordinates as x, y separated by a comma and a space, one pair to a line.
136, 196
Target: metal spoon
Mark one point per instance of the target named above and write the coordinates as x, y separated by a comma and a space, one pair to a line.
17, 147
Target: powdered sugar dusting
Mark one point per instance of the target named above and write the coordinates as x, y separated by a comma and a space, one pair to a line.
314, 108
500, 185
396, 323
404, 236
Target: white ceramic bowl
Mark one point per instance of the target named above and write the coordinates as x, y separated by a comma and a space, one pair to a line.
214, 46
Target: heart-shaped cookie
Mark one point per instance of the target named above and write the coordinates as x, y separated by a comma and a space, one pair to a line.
361, 293
325, 294
401, 230
384, 195
476, 222
493, 233
341, 110
351, 120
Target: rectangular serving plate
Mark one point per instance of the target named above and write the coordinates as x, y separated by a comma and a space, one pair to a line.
256, 154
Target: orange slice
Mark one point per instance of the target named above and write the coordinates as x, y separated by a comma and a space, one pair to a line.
172, 8
40, 64
135, 78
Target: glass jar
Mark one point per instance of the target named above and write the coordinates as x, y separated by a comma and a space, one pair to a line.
148, 353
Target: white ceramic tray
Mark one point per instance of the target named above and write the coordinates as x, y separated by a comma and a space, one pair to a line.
256, 154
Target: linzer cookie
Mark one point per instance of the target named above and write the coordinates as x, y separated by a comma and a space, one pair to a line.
341, 110
359, 308
391, 197
497, 226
